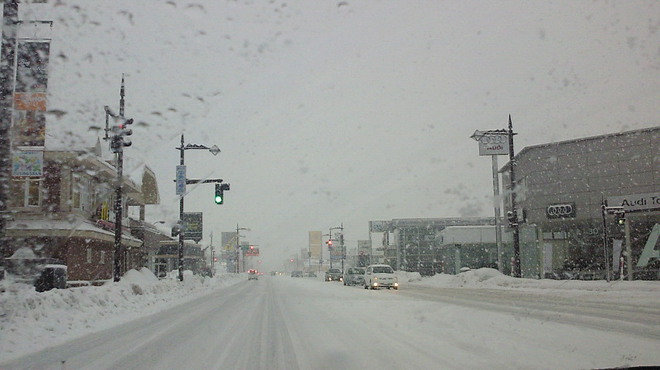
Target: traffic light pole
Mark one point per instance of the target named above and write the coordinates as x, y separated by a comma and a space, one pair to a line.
118, 217
214, 150
117, 144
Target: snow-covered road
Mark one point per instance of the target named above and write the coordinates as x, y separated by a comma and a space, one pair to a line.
301, 323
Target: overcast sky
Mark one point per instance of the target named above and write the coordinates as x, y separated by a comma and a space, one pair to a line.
333, 111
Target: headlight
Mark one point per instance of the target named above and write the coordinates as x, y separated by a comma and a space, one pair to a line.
375, 284
396, 284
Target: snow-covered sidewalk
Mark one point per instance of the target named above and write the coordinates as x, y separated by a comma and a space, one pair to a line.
31, 321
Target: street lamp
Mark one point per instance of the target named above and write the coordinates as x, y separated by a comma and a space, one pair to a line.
238, 247
181, 190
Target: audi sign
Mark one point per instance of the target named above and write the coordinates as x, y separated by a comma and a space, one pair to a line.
566, 210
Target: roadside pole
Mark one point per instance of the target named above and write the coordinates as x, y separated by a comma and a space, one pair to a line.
7, 73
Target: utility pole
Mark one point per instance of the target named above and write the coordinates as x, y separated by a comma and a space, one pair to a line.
180, 249
7, 73
517, 272
117, 144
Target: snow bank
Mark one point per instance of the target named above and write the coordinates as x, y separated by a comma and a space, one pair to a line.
487, 278
30, 321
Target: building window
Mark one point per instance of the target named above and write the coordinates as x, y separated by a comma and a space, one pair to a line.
89, 255
102, 261
25, 192
75, 191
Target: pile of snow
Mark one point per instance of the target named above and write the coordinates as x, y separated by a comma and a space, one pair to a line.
30, 321
487, 278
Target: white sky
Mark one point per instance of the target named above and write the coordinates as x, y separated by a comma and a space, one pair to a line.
332, 112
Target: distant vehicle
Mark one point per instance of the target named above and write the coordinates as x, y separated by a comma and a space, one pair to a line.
380, 276
297, 274
253, 274
310, 274
333, 275
354, 276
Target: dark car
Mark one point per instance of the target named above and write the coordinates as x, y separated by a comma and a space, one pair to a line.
297, 274
333, 275
354, 276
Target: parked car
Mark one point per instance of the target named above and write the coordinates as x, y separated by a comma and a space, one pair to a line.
380, 276
296, 274
253, 274
354, 276
43, 273
333, 275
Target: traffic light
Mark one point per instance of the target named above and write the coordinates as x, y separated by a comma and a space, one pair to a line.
620, 217
219, 194
329, 243
118, 141
512, 218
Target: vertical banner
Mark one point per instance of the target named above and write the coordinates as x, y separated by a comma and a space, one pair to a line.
29, 113
315, 244
30, 93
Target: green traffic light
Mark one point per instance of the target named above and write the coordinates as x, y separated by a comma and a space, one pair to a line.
218, 199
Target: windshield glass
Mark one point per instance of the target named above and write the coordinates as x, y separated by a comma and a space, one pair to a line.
208, 170
383, 270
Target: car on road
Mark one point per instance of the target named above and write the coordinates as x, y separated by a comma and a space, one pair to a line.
354, 276
380, 276
297, 274
333, 275
253, 274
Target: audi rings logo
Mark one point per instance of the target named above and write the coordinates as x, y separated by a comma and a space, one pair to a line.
560, 211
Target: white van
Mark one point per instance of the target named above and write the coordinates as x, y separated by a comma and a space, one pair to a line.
380, 276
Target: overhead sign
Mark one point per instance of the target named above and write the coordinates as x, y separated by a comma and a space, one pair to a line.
193, 226
379, 226
494, 144
252, 251
566, 210
636, 202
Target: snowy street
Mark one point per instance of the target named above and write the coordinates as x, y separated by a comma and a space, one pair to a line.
280, 322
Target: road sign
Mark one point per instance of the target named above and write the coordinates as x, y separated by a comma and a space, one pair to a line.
192, 226
180, 180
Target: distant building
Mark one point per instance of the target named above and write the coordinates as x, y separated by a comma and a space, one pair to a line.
561, 187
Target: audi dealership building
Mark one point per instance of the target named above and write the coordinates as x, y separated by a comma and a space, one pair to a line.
561, 188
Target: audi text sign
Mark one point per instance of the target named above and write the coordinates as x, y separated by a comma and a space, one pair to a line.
565, 210
494, 144
636, 202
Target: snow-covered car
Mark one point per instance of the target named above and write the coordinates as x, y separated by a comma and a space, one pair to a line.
253, 275
333, 275
354, 276
380, 276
